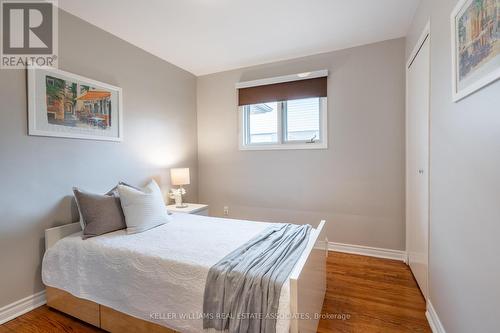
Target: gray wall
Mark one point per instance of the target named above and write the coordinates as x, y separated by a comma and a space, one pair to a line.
357, 184
37, 173
465, 188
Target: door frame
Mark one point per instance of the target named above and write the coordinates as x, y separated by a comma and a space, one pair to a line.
426, 34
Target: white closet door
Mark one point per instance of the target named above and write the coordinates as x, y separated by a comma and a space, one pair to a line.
417, 164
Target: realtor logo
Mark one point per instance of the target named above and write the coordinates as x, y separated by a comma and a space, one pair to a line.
29, 33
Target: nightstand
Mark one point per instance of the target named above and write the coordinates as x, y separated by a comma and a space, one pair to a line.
197, 209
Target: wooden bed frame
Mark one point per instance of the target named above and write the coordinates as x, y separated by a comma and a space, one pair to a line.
307, 292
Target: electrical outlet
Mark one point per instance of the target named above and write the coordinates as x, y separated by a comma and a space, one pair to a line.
226, 210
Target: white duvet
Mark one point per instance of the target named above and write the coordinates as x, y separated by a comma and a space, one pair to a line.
157, 275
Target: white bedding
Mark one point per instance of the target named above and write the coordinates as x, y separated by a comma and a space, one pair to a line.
158, 275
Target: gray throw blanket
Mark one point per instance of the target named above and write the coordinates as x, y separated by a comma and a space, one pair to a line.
243, 289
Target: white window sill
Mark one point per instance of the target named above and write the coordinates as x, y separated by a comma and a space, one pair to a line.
289, 146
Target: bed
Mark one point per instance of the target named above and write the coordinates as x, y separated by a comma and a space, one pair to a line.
154, 281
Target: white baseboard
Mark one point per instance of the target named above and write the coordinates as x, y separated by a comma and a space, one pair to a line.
433, 319
13, 310
368, 251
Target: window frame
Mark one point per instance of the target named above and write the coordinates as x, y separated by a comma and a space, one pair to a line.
282, 143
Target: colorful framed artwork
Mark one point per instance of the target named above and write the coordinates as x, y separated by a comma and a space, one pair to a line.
67, 105
475, 31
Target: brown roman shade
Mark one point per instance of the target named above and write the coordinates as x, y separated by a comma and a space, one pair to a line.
283, 91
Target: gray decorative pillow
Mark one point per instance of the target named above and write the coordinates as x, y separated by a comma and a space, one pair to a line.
99, 213
112, 192
144, 209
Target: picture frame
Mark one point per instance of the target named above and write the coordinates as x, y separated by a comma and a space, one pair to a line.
475, 46
67, 105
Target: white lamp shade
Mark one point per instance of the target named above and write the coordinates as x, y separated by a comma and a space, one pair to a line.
179, 176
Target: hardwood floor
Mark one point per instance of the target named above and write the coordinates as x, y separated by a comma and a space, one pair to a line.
364, 295
378, 295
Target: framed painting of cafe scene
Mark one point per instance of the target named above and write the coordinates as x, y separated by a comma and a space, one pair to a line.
475, 31
63, 104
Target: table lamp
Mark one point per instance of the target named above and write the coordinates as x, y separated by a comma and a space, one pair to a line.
179, 177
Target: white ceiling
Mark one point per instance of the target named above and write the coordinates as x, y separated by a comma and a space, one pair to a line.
207, 36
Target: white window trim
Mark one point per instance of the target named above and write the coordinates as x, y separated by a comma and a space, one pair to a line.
281, 79
322, 143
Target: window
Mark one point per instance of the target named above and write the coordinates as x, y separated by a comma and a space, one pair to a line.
262, 120
287, 112
302, 119
293, 124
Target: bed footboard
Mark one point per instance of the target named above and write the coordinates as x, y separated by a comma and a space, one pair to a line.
308, 284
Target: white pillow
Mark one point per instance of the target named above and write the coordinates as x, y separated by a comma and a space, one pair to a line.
144, 209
